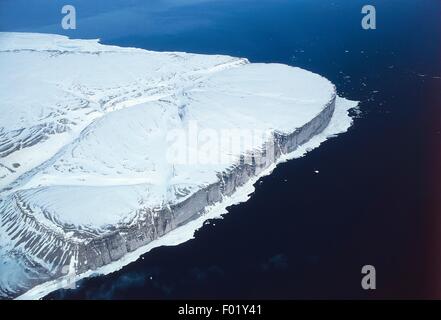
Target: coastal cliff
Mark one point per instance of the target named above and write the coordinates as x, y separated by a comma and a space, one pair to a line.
101, 185
111, 247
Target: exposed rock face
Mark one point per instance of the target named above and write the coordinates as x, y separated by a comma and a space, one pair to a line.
102, 250
83, 175
111, 247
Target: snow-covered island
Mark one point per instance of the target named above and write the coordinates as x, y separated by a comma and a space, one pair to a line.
107, 151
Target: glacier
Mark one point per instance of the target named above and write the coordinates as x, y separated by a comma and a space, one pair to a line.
87, 183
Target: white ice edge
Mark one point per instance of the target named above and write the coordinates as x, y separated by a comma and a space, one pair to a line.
340, 123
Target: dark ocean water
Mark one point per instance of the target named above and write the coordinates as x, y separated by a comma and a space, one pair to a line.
301, 235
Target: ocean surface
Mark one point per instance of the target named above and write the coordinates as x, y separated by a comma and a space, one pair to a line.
301, 235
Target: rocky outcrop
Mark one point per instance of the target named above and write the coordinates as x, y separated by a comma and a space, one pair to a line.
111, 247
85, 176
87, 250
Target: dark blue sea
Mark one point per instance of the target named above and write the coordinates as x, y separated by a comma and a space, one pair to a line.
301, 235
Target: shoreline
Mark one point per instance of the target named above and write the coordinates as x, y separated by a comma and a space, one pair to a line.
339, 123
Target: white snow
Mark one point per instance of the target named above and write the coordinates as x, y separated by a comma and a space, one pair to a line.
118, 108
340, 123
85, 131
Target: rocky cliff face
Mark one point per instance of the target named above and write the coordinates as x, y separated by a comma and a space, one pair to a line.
84, 173
93, 251
111, 247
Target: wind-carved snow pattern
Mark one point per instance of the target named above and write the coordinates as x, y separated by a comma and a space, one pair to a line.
86, 177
